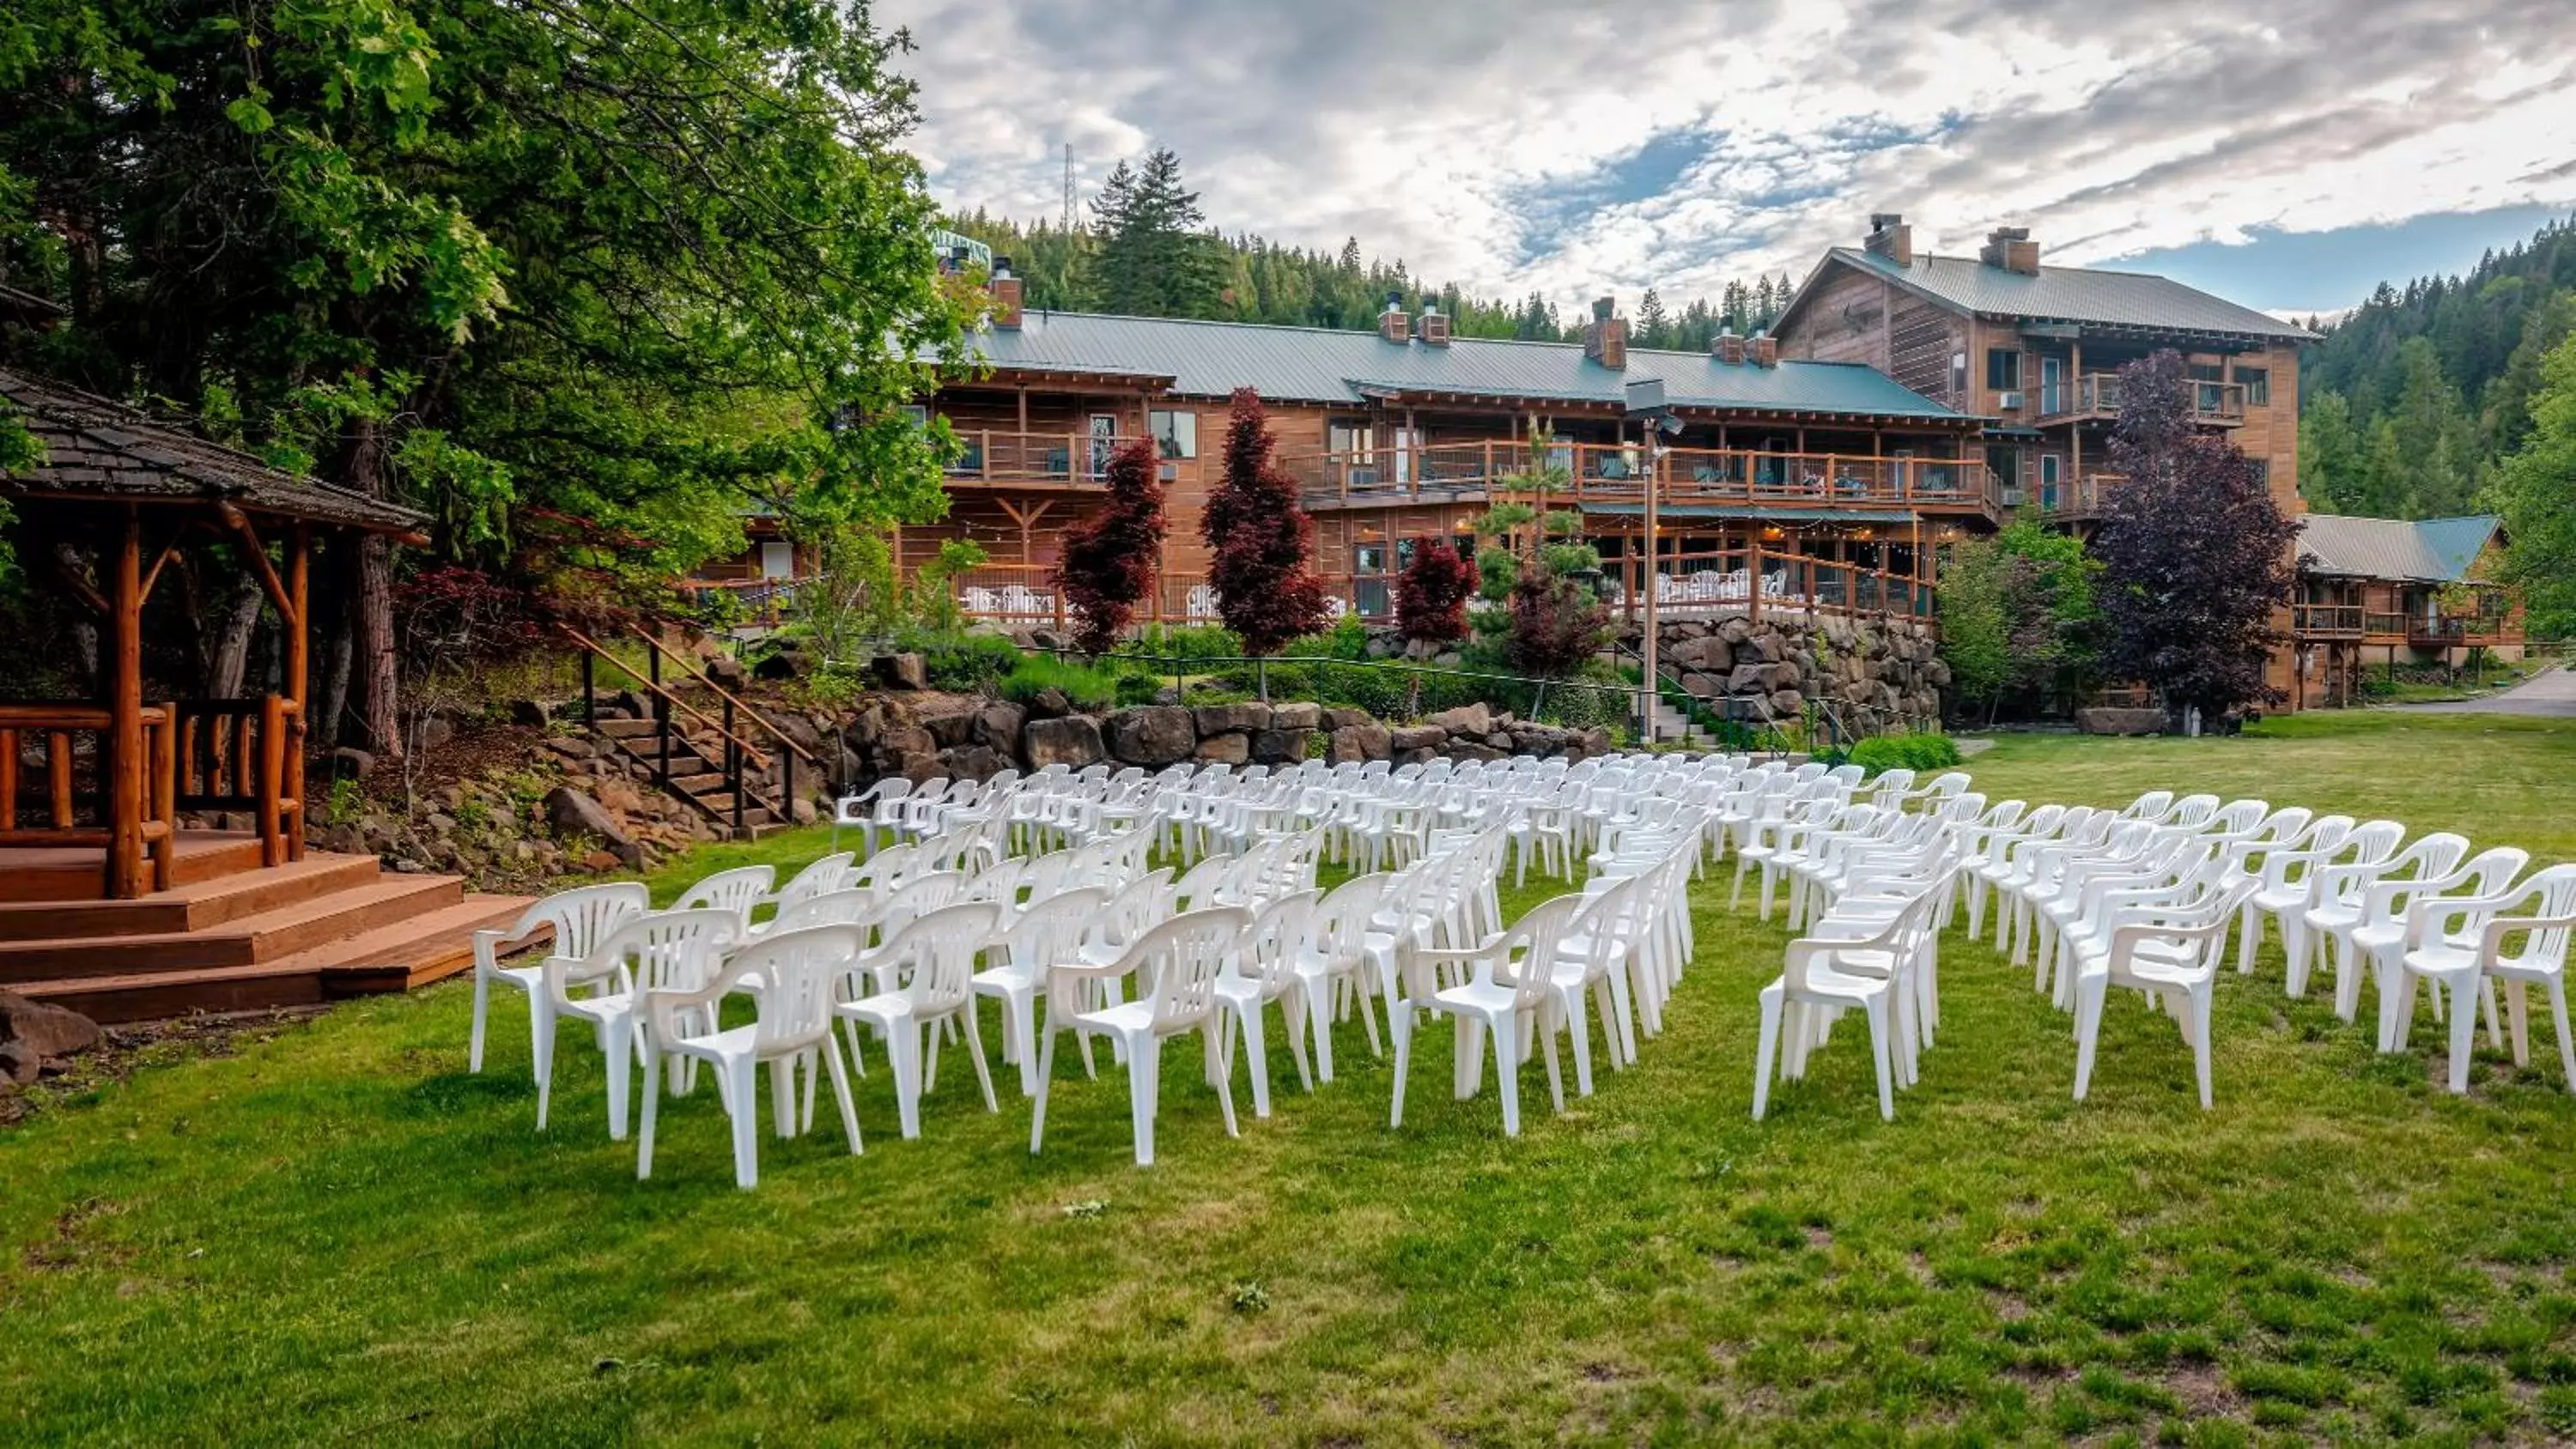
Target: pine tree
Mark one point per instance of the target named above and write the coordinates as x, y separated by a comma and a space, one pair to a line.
2331, 461
2537, 494
1737, 307
1153, 261
1654, 329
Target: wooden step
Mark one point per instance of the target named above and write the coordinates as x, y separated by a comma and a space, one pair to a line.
81, 875
195, 906
413, 951
249, 940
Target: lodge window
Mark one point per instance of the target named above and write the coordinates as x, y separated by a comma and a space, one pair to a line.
1176, 434
2258, 386
1369, 558
2003, 369
2208, 372
1344, 436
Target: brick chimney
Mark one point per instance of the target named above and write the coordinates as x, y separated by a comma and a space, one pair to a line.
1432, 326
1605, 337
1891, 238
1766, 350
2010, 248
1728, 347
1392, 323
1005, 309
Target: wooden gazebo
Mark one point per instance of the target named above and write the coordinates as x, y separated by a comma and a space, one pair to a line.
113, 776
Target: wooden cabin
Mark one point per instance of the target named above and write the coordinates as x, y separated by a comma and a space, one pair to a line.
2387, 591
152, 846
1826, 478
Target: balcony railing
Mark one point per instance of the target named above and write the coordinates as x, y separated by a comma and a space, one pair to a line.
2327, 621
2070, 499
1616, 474
1070, 459
2379, 626
2467, 631
2098, 395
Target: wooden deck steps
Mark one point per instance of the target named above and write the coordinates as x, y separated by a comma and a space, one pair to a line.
297, 934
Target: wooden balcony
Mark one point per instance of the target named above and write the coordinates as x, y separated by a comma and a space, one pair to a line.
2073, 500
2475, 631
1062, 460
2327, 621
2095, 396
1615, 474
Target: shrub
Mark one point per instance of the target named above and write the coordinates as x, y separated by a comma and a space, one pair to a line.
1556, 625
1107, 563
1192, 643
1919, 751
1085, 687
961, 661
1431, 594
1260, 539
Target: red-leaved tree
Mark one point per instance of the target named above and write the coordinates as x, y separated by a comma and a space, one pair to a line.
1260, 540
1108, 559
2195, 554
1556, 624
1431, 594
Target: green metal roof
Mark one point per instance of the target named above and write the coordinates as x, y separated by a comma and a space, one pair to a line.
2073, 294
1308, 364
1764, 512
2431, 550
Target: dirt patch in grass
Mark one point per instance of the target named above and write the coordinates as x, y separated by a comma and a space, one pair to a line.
153, 1043
2203, 1391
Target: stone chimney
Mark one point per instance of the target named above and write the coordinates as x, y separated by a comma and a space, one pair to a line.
1432, 326
2010, 248
1891, 238
1392, 323
1728, 347
1605, 337
1766, 350
1005, 309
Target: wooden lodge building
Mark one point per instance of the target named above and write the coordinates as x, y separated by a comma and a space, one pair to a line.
2036, 351
1825, 478
2386, 592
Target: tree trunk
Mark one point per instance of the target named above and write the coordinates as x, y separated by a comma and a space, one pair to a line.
362, 464
84, 628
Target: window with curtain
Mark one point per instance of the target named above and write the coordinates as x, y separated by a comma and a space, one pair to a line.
1176, 434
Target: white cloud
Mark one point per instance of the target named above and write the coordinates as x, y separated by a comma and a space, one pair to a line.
1436, 130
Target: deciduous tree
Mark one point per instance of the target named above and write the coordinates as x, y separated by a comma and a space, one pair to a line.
1108, 561
2195, 554
1431, 594
1260, 539
2538, 494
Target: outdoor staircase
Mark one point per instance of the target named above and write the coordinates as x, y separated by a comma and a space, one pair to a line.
1674, 727
715, 753
696, 773
232, 935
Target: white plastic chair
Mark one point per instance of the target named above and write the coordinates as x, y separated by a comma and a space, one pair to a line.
1512, 981
794, 1026
1261, 971
866, 812
580, 918
662, 951
933, 958
2544, 930
1049, 932
2172, 953
736, 890
1824, 974
1182, 957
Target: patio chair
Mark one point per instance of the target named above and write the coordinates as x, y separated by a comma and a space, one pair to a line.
1181, 958
793, 1027
580, 919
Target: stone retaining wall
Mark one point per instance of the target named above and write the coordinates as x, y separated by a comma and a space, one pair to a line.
1772, 669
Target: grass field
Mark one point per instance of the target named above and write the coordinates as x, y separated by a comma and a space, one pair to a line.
339, 1235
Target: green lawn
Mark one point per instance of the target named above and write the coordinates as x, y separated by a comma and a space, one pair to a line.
339, 1235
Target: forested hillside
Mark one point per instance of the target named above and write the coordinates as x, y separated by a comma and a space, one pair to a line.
1145, 249
2417, 398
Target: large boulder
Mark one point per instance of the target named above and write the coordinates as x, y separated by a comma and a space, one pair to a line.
1073, 741
42, 1031
1230, 748
1762, 678
569, 812
1216, 719
901, 671
1416, 737
997, 727
2104, 719
1280, 747
948, 720
1152, 735
1359, 742
1342, 718
972, 762
1466, 719
1708, 653
1296, 716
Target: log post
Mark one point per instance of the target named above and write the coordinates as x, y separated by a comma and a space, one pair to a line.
124, 757
298, 642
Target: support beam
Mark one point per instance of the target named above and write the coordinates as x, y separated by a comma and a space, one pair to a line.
258, 551
125, 760
298, 643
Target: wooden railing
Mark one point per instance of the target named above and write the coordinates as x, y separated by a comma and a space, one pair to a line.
2326, 621
1755, 581
1075, 459
234, 755
737, 758
74, 812
2098, 395
1615, 473
2074, 498
2465, 631
2379, 625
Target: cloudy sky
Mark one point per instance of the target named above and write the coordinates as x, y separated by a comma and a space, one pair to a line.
2287, 153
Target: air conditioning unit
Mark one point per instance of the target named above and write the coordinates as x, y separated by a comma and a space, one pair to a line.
2008, 401
2012, 498
1170, 472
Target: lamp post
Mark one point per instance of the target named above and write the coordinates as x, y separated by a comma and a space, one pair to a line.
1646, 403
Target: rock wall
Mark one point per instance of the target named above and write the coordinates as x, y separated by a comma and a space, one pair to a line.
1772, 669
920, 734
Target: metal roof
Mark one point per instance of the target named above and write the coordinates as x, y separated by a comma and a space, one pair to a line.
2074, 294
102, 450
1309, 364
2431, 550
